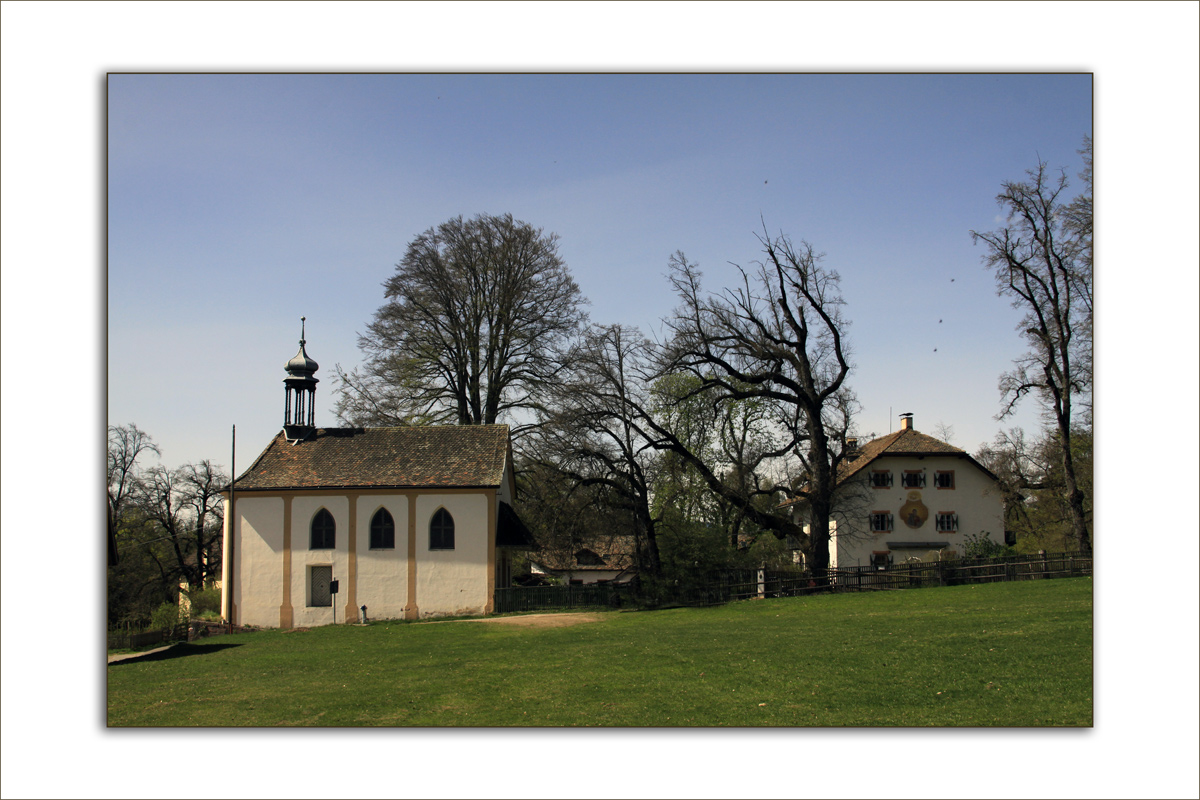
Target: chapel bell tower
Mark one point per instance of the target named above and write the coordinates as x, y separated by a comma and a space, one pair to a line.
300, 388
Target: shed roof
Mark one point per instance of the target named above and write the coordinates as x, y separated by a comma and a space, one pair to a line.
462, 456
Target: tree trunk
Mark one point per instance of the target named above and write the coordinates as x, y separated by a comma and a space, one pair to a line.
819, 536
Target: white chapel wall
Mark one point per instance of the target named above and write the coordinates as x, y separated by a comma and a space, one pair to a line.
454, 582
382, 574
258, 559
304, 508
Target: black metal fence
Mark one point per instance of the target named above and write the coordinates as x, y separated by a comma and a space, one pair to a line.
745, 584
590, 595
130, 639
963, 571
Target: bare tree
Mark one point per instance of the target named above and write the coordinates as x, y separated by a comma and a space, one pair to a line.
1042, 261
185, 507
594, 433
478, 316
201, 485
126, 444
779, 337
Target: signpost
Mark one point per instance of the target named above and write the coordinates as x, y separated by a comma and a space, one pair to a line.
333, 590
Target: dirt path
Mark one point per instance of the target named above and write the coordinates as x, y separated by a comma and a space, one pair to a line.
125, 656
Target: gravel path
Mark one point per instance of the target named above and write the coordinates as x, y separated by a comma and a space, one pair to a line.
112, 658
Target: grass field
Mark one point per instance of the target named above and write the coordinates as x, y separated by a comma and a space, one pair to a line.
1004, 654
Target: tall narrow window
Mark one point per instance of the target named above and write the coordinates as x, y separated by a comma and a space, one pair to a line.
324, 532
383, 531
441, 531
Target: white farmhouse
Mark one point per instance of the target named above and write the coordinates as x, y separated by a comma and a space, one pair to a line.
609, 561
410, 522
905, 494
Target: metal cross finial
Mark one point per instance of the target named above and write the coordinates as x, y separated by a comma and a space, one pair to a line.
302, 329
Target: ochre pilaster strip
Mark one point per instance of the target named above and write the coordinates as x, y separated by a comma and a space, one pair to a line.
410, 608
285, 607
492, 500
352, 561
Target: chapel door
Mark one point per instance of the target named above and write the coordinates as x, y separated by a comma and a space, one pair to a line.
321, 578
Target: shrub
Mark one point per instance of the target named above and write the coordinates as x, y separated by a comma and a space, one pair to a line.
205, 602
982, 546
165, 617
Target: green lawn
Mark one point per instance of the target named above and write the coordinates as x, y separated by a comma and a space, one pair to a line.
1012, 654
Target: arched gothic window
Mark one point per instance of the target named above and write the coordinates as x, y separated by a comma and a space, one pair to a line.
383, 531
323, 530
441, 531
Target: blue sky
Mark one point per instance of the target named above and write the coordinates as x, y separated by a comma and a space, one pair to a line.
238, 203
166, 291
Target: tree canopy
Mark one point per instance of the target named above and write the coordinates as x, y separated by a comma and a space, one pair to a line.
165, 526
477, 321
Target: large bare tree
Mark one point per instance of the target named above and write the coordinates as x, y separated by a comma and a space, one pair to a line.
778, 337
126, 444
186, 508
476, 321
1042, 260
594, 433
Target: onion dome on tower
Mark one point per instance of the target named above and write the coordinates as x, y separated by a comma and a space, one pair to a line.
300, 388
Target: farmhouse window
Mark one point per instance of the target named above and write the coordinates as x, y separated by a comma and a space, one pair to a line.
881, 522
319, 579
944, 479
913, 479
323, 531
441, 531
881, 478
383, 531
947, 522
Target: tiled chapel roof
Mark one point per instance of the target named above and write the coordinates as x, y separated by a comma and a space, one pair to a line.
342, 458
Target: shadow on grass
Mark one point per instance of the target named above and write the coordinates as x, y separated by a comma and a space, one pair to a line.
181, 650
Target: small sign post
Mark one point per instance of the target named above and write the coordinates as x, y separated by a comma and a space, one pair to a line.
333, 590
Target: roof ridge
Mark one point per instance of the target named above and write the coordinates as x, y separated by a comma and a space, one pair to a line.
426, 455
925, 436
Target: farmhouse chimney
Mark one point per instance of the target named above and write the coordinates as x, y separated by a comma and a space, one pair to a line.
906, 422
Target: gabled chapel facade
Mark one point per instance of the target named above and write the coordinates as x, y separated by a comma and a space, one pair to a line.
410, 522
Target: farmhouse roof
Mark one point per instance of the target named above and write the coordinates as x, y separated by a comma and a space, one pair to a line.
463, 456
615, 553
904, 442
